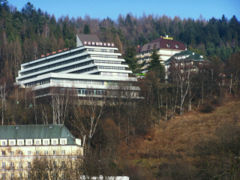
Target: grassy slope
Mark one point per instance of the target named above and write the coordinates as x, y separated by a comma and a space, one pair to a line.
175, 139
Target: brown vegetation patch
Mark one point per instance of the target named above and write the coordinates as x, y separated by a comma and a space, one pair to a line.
175, 140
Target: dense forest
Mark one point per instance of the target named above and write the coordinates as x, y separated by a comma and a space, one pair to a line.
26, 34
111, 146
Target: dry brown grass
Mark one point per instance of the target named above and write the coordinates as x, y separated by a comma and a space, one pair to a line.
176, 138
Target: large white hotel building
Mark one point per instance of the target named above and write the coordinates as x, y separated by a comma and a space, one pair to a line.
93, 68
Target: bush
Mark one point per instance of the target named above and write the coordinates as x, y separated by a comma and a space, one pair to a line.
207, 108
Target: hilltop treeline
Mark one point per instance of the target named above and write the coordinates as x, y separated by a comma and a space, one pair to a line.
26, 34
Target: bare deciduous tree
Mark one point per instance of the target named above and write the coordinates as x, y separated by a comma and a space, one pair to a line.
180, 73
88, 115
59, 105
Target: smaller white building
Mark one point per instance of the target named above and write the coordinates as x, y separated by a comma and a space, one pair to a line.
166, 47
21, 144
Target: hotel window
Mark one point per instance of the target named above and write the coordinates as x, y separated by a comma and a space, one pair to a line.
176, 46
63, 152
29, 153
54, 152
168, 45
37, 152
45, 153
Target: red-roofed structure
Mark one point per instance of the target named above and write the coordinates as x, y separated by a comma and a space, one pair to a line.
166, 47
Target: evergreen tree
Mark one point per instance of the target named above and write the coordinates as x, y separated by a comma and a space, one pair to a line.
86, 29
130, 57
156, 66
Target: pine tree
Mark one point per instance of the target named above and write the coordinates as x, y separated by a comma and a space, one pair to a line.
156, 66
130, 57
86, 29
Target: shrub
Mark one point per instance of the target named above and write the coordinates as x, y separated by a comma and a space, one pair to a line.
207, 108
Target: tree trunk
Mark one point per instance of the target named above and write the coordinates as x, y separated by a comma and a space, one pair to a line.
230, 87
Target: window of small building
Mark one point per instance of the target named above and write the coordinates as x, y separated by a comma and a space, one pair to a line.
29, 142
3, 165
20, 175
63, 141
20, 142
46, 141
54, 164
3, 153
29, 165
30, 177
12, 165
3, 142
176, 46
3, 176
12, 142
54, 141
63, 164
20, 153
37, 141
11, 153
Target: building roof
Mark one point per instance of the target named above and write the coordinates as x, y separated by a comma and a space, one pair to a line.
88, 37
186, 56
36, 132
163, 43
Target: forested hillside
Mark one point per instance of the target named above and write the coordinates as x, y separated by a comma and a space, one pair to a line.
141, 139
26, 34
